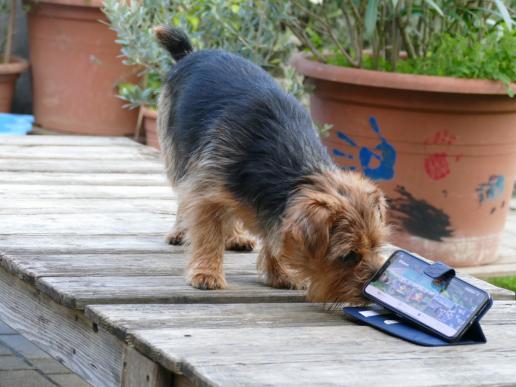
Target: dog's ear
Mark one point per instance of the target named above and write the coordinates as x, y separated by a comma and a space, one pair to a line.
379, 202
308, 226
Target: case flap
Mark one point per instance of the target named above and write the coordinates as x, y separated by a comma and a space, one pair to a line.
439, 269
393, 325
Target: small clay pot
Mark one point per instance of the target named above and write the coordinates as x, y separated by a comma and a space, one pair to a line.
149, 123
9, 73
76, 67
442, 149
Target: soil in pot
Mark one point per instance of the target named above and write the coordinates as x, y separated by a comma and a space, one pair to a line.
442, 149
76, 69
9, 73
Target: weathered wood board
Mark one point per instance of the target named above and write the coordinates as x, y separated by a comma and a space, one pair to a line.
77, 152
77, 292
83, 225
65, 334
84, 141
30, 266
257, 345
68, 178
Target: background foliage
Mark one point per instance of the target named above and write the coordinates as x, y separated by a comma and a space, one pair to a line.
5, 8
465, 38
249, 28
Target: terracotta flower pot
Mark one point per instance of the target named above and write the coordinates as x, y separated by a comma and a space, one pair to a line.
76, 69
9, 73
443, 150
149, 124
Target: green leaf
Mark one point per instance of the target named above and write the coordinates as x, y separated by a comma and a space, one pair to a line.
434, 5
371, 15
504, 12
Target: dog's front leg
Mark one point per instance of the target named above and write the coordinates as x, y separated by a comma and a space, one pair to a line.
206, 233
273, 273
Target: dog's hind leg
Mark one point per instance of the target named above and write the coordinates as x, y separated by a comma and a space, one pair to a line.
237, 238
273, 274
176, 235
204, 220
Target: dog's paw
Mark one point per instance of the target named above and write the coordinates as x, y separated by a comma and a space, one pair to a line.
240, 243
207, 281
175, 237
279, 282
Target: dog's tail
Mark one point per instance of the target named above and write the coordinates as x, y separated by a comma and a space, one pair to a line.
174, 40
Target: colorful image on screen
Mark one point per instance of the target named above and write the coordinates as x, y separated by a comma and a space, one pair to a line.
443, 305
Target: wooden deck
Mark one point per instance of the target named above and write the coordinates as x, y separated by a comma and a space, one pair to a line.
85, 274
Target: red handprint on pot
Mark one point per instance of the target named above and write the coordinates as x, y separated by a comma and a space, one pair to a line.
437, 165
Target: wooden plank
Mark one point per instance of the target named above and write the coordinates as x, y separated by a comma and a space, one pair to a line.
20, 153
69, 178
82, 166
75, 244
27, 191
86, 206
77, 292
87, 224
122, 320
33, 266
68, 141
492, 270
66, 335
139, 371
329, 356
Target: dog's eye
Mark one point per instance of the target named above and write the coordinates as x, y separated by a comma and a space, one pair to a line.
351, 258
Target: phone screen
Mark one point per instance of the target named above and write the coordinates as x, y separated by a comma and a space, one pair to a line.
445, 306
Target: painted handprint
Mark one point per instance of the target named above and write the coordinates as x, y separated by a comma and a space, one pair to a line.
437, 165
376, 163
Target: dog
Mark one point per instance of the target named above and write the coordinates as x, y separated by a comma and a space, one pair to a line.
243, 155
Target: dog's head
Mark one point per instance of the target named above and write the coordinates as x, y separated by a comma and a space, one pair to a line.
333, 228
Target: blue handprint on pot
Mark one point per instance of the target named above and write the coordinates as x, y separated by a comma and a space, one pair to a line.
384, 154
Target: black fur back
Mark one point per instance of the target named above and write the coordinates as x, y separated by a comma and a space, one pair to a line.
233, 115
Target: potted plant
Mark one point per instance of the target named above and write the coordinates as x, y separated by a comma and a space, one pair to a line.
419, 96
10, 66
246, 27
76, 69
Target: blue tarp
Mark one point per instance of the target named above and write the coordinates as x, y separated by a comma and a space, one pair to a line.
15, 124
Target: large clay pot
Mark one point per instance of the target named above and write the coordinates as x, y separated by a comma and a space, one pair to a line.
149, 123
9, 73
443, 150
76, 67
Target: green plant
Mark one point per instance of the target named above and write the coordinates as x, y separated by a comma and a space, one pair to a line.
7, 8
504, 282
246, 27
465, 38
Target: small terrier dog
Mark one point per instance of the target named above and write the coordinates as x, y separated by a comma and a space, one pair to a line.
243, 156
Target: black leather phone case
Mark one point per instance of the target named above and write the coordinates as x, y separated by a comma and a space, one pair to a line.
394, 325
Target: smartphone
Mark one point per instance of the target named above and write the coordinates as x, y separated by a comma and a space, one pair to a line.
445, 306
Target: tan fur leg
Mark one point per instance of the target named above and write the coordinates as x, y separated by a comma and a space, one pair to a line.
206, 233
237, 239
274, 275
176, 235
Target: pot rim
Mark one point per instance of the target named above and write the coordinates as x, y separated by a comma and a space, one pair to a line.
16, 66
72, 3
383, 79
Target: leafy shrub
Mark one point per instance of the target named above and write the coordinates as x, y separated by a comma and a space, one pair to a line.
464, 38
245, 27
7, 9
